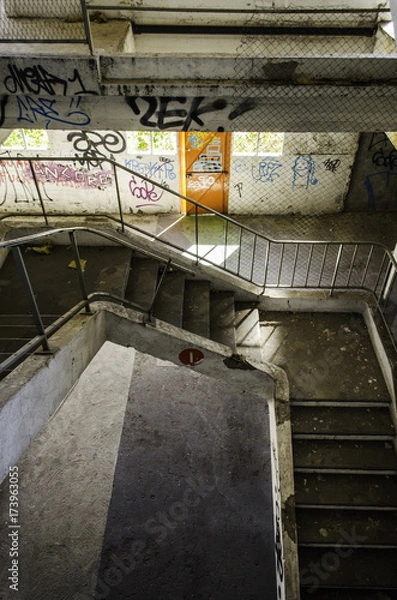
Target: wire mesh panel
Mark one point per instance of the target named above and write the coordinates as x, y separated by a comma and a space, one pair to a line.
42, 21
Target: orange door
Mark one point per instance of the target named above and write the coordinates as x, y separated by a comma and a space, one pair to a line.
205, 160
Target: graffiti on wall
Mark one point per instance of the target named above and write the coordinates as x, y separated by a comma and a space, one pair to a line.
182, 113
162, 169
37, 91
383, 156
212, 160
332, 164
92, 148
35, 80
17, 176
303, 170
266, 170
143, 190
42, 112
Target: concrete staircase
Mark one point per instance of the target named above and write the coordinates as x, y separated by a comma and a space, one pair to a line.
346, 499
195, 305
182, 300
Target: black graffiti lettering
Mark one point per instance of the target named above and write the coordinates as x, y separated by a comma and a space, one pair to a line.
380, 159
378, 138
332, 165
37, 80
3, 103
151, 111
160, 115
196, 111
94, 146
33, 80
246, 106
132, 103
165, 113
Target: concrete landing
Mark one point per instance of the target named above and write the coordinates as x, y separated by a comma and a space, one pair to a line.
325, 355
162, 492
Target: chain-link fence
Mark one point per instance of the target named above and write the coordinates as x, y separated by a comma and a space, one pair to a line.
39, 21
322, 172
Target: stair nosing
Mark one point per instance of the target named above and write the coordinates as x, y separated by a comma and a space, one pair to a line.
346, 437
325, 470
360, 507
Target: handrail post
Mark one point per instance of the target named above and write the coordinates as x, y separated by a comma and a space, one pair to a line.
337, 263
160, 283
38, 190
116, 180
17, 254
79, 270
196, 234
87, 26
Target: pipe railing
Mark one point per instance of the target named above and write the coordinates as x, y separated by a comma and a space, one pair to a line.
239, 250
43, 333
79, 32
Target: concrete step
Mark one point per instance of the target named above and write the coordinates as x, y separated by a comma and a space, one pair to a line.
347, 594
222, 318
142, 281
318, 526
248, 333
343, 489
358, 567
169, 302
196, 307
354, 454
341, 421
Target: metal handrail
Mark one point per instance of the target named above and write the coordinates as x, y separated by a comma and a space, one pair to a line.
225, 218
43, 333
255, 258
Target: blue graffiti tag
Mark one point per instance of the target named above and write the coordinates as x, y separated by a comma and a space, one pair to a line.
162, 170
304, 168
35, 110
266, 170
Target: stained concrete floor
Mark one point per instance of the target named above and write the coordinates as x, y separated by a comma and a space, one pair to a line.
154, 484
325, 355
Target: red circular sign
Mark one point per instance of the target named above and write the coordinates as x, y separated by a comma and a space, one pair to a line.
191, 357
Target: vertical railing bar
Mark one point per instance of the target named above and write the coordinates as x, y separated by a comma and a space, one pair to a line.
253, 258
266, 264
17, 254
116, 180
196, 227
38, 191
295, 263
79, 270
353, 260
367, 265
309, 260
323, 265
160, 283
239, 251
87, 26
280, 266
225, 244
338, 259
380, 273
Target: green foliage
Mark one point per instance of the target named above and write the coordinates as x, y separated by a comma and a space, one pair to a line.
27, 139
253, 143
15, 140
156, 142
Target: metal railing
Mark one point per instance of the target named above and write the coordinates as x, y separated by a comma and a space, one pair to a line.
229, 245
70, 23
236, 249
17, 245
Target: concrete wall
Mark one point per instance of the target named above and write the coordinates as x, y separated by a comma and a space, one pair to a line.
374, 177
73, 187
310, 177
